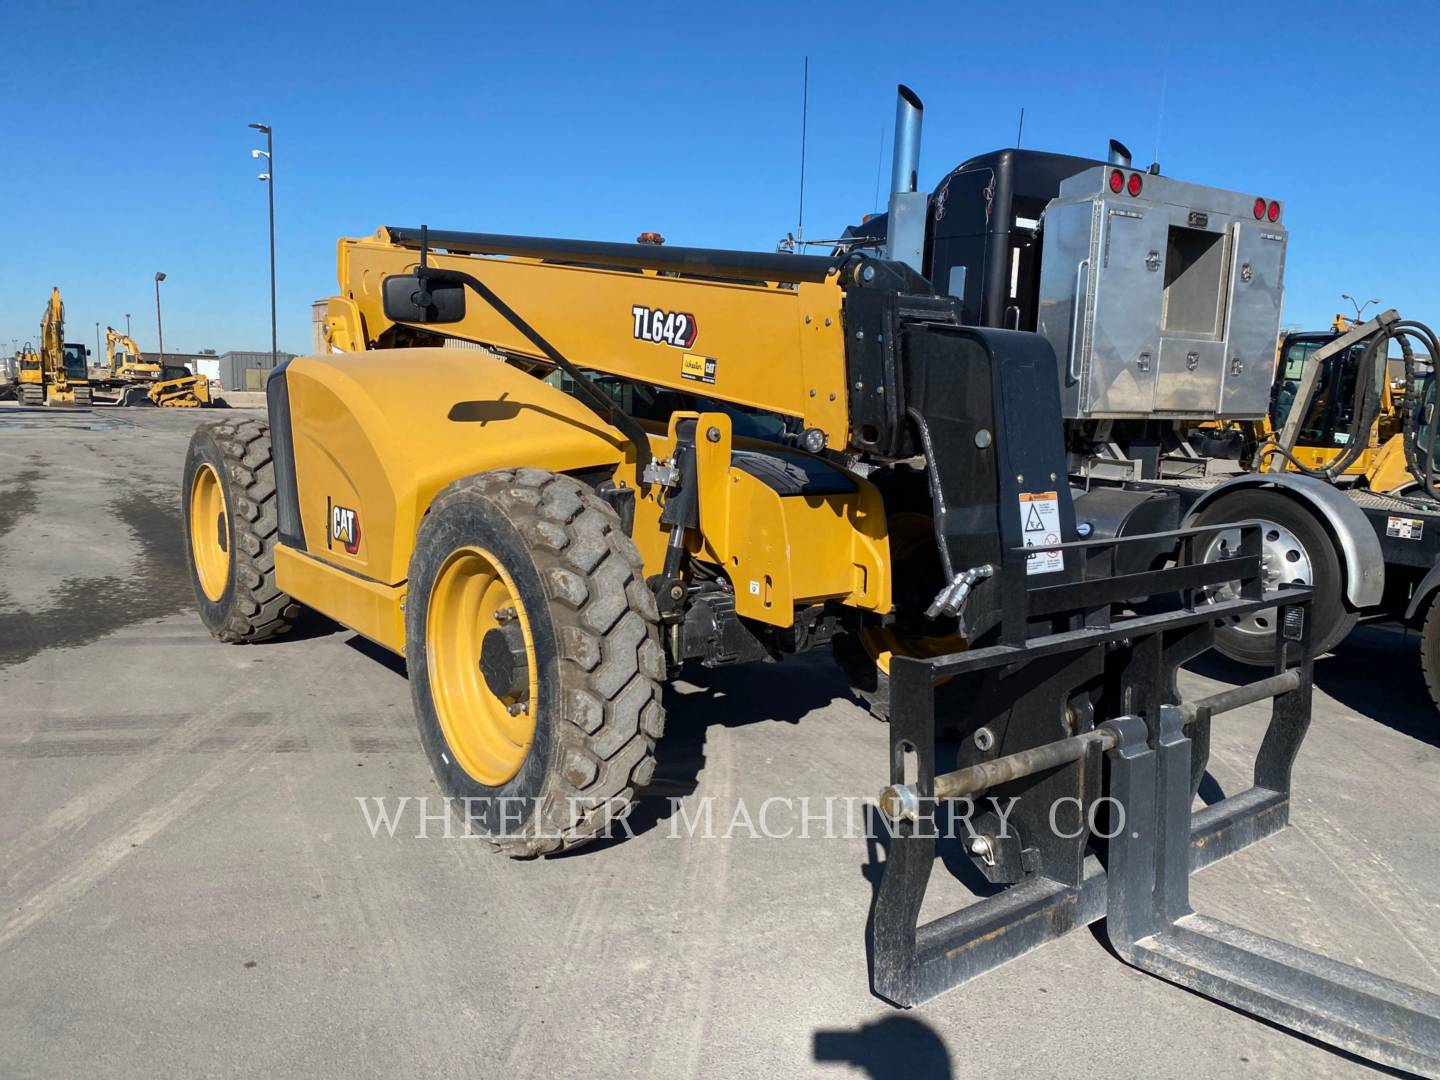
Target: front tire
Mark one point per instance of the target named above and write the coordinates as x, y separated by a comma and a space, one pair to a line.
230, 527
1297, 550
535, 662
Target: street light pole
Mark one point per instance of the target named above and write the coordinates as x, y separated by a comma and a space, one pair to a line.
127, 324
1359, 307
97, 341
159, 326
269, 177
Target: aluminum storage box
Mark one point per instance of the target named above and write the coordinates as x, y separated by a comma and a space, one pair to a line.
1164, 304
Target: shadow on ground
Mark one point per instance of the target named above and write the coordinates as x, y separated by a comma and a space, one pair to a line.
722, 697
898, 1047
1374, 672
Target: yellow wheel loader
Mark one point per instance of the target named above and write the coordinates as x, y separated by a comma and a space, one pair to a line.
667, 456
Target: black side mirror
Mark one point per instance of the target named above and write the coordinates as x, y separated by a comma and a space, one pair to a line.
407, 299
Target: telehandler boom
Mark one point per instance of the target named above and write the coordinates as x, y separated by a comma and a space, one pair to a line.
664, 456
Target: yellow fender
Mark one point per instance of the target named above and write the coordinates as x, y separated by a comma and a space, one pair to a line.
382, 432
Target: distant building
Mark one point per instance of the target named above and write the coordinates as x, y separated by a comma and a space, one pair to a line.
247, 370
232, 370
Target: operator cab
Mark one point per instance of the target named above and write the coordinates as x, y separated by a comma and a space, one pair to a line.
75, 357
1331, 419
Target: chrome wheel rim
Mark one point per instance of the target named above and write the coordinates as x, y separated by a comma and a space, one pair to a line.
1283, 561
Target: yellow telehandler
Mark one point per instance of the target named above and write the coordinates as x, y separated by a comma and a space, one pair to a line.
667, 456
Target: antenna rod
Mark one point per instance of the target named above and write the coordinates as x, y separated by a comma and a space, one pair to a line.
804, 117
1021, 130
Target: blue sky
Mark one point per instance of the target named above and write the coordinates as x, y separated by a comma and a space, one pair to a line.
126, 147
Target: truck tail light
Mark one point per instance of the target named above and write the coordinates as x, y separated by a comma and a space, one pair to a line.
1117, 181
1135, 184
1273, 213
1259, 209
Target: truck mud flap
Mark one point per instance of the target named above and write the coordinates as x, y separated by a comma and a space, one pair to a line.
1135, 748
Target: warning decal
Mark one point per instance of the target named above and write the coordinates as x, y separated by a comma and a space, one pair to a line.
1406, 528
1040, 524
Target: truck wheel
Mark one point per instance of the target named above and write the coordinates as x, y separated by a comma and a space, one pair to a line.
1430, 649
535, 662
229, 531
1296, 549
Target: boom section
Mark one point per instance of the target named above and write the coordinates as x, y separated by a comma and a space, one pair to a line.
763, 331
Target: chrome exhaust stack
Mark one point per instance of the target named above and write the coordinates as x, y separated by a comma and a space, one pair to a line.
905, 232
909, 112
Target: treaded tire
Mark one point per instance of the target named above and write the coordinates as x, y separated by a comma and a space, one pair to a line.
252, 608
1430, 649
596, 638
1330, 621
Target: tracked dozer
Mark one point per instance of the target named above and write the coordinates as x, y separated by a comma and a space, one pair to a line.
663, 456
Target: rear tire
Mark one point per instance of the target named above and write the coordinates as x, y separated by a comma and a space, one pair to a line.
1294, 539
232, 562
582, 682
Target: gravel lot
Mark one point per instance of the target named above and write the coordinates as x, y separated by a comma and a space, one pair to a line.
188, 885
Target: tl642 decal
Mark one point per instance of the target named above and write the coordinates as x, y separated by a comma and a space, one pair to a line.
677, 328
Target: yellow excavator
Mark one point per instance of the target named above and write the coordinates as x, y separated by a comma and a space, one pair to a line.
129, 379
1328, 431
56, 374
1330, 428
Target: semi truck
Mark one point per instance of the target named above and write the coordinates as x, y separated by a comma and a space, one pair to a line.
1162, 300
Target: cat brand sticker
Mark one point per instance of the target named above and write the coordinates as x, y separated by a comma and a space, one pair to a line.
697, 368
345, 529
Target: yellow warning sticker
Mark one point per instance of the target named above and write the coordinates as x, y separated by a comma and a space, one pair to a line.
697, 368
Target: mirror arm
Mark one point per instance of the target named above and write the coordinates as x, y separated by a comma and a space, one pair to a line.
598, 401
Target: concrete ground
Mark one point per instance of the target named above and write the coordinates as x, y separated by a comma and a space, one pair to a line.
188, 885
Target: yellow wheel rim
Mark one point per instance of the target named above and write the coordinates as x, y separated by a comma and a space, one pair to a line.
209, 532
882, 644
473, 596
